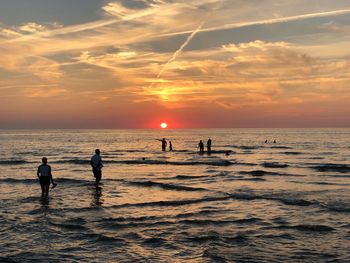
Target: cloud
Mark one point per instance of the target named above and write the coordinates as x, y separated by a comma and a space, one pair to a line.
119, 11
268, 21
44, 92
32, 27
248, 74
177, 52
119, 55
44, 68
9, 33
335, 27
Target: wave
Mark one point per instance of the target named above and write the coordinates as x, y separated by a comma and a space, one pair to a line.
274, 165
245, 147
204, 222
187, 177
340, 168
234, 196
204, 212
292, 153
13, 162
213, 163
128, 219
72, 161
222, 151
259, 173
319, 183
154, 241
214, 236
339, 207
309, 228
281, 147
127, 151
19, 181
174, 202
165, 186
70, 226
36, 180
104, 238
284, 200
155, 162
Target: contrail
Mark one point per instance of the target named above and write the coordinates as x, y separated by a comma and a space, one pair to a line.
264, 22
177, 52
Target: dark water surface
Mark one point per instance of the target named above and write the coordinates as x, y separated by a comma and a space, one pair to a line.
246, 202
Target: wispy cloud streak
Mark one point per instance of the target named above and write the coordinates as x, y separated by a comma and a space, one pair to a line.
178, 52
264, 22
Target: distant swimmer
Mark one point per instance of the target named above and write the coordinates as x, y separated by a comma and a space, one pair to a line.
170, 146
96, 164
274, 141
209, 145
45, 176
201, 146
265, 141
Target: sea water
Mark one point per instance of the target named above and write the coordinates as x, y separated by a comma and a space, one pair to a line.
247, 201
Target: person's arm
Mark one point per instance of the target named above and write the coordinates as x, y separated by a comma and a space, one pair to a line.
38, 172
50, 174
100, 164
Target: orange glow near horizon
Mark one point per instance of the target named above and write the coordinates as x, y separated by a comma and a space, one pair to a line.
147, 65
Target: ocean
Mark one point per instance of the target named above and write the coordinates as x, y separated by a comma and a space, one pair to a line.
247, 201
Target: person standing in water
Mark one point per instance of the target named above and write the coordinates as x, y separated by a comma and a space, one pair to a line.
209, 145
164, 144
45, 176
96, 164
201, 146
170, 146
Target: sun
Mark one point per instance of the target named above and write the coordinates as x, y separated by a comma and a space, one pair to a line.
163, 125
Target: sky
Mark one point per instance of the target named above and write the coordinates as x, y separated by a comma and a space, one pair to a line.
192, 64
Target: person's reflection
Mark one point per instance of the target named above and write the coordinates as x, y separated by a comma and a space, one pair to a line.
96, 196
44, 202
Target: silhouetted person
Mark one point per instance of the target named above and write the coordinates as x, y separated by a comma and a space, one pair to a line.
170, 146
265, 141
209, 145
96, 164
201, 146
274, 141
45, 177
164, 144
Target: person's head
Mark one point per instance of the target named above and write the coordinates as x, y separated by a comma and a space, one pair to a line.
97, 151
44, 160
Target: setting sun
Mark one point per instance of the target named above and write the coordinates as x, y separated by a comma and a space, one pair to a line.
163, 125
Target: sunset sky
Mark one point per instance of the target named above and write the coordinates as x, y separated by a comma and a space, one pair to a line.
192, 64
